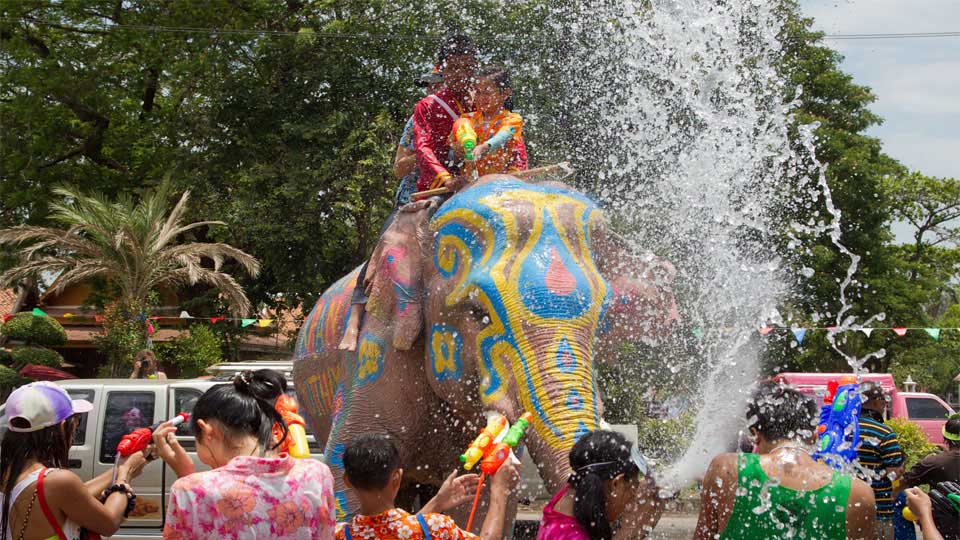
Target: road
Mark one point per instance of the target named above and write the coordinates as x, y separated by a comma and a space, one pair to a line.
675, 527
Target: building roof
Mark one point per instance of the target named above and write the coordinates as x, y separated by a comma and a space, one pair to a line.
8, 297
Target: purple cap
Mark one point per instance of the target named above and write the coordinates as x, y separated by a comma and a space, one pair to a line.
41, 405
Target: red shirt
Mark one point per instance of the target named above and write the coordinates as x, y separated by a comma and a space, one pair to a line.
432, 124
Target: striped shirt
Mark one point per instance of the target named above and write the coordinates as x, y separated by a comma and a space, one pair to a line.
879, 449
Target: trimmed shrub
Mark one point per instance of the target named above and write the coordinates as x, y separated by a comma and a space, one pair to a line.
44, 331
912, 440
10, 379
37, 356
192, 351
6, 358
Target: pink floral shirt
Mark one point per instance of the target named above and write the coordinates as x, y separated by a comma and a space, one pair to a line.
252, 498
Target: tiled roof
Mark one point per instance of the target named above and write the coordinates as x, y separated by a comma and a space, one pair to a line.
7, 299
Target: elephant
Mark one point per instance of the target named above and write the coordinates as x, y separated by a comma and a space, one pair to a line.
503, 298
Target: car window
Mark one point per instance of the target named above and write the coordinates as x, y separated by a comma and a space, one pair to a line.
184, 399
80, 437
925, 409
126, 411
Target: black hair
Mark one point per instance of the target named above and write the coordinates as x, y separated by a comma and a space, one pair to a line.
597, 456
953, 426
456, 45
50, 446
246, 407
369, 461
501, 78
779, 412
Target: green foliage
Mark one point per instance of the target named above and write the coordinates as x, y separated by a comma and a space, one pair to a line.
37, 356
32, 330
667, 438
193, 351
10, 379
912, 440
123, 334
6, 358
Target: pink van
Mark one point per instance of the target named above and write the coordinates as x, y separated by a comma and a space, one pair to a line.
926, 410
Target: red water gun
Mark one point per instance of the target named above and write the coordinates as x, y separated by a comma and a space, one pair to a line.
140, 438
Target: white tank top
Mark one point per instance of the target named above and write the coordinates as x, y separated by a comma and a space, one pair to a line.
70, 529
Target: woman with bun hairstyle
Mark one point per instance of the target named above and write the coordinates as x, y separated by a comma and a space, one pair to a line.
610, 479
253, 491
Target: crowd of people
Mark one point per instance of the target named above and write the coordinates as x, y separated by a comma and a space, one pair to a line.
254, 490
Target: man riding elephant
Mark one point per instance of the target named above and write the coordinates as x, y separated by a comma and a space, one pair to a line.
501, 301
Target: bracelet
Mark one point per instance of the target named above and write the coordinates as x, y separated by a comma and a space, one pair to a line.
125, 489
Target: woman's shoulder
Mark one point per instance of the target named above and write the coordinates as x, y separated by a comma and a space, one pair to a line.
311, 468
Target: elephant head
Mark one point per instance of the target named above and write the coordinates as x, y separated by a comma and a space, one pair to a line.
522, 281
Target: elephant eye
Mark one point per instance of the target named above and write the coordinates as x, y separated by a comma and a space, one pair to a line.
479, 314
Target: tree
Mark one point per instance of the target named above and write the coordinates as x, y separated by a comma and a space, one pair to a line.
136, 247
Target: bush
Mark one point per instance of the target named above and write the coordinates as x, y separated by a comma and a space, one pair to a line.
10, 379
912, 440
665, 439
192, 351
6, 358
37, 356
33, 330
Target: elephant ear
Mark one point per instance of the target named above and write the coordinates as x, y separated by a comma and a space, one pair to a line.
643, 303
394, 278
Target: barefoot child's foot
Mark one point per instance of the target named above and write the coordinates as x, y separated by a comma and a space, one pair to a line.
349, 340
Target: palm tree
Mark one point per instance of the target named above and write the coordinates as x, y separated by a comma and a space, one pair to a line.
134, 246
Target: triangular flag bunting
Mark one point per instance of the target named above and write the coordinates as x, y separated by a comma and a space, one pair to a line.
215, 320
185, 315
899, 331
263, 323
831, 329
68, 315
150, 329
867, 331
246, 322
98, 317
697, 332
37, 312
764, 330
7, 316
934, 333
799, 333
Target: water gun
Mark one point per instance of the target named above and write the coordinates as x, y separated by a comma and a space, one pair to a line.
140, 438
485, 442
945, 498
295, 443
501, 451
464, 133
839, 414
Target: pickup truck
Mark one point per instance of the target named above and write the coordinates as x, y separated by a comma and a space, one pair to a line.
121, 405
927, 411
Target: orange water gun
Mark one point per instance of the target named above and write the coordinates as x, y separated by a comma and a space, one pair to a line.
464, 133
496, 452
484, 442
295, 443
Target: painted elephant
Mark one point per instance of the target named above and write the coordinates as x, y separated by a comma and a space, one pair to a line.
498, 301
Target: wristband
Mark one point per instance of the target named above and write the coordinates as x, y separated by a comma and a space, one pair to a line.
125, 489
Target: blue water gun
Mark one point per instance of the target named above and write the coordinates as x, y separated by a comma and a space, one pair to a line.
839, 427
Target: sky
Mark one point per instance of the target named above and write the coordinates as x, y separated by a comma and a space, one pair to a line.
916, 80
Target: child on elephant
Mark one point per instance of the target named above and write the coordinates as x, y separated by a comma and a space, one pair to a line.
372, 470
500, 147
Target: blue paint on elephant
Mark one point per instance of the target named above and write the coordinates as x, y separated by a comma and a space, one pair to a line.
335, 457
566, 360
445, 346
574, 401
582, 430
341, 504
551, 282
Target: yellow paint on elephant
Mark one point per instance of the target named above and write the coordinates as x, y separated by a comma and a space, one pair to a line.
511, 258
369, 358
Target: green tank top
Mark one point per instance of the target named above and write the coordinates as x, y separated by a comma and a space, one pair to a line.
763, 511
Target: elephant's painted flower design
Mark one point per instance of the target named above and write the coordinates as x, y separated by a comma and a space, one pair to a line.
369, 358
445, 347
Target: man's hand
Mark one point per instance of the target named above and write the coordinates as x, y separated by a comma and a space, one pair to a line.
479, 151
169, 449
454, 491
505, 479
456, 183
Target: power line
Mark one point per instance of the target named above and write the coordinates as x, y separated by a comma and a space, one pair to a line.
382, 37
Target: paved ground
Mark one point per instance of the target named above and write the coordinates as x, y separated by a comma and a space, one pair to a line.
675, 527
